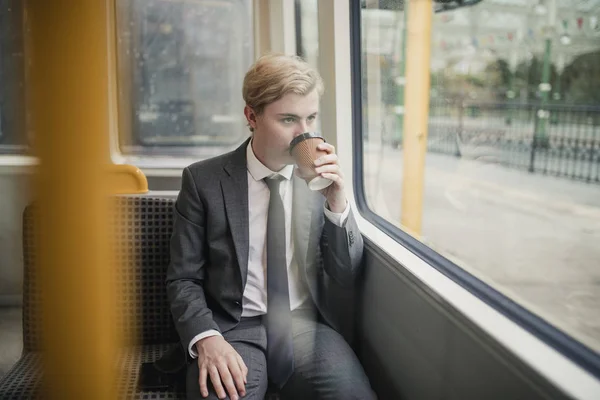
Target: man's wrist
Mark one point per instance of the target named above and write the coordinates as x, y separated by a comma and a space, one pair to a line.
193, 346
337, 207
200, 342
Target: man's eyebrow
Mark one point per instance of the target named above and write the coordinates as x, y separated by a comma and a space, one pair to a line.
294, 115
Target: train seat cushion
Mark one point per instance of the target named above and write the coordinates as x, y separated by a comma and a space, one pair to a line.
24, 380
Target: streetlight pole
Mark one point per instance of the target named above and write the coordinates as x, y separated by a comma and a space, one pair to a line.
540, 138
541, 134
510, 93
560, 65
401, 81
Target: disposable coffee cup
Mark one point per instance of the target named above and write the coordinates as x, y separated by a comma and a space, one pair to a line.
304, 150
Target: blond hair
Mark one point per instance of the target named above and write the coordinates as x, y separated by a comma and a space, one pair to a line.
274, 75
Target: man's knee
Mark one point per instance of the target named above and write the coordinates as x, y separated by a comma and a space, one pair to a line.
354, 390
345, 380
329, 384
327, 368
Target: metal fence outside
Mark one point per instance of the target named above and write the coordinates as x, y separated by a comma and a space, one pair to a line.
556, 140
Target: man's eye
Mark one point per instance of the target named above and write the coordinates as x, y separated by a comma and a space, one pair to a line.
288, 120
312, 117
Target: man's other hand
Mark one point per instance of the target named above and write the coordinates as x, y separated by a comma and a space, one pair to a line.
327, 166
227, 370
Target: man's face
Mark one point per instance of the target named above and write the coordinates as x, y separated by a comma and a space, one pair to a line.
279, 123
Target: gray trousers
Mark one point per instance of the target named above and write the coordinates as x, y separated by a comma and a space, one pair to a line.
325, 366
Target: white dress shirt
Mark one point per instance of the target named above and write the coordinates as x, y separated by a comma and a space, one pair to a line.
254, 301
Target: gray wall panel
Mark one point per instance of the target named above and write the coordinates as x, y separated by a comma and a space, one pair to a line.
14, 196
164, 182
416, 346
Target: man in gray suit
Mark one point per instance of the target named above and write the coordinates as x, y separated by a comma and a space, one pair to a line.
261, 266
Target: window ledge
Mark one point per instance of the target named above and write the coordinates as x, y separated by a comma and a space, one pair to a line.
11, 164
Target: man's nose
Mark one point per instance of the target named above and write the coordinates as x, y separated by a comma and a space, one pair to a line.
302, 128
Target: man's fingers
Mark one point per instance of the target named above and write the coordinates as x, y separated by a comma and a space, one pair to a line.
243, 367
326, 159
237, 374
227, 380
202, 381
334, 177
216, 381
328, 168
326, 147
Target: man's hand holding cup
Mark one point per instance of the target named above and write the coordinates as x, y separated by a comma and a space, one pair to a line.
318, 166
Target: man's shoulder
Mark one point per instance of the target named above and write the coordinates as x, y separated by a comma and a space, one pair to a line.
214, 165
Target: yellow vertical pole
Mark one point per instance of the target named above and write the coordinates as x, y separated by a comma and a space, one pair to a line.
416, 112
70, 100
262, 21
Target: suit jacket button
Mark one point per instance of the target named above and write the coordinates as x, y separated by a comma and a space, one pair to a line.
237, 303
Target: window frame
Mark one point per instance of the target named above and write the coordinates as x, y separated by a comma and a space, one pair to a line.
128, 145
566, 345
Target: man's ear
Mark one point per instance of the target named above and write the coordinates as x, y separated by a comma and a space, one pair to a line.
250, 116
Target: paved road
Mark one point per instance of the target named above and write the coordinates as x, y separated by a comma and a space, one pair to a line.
534, 237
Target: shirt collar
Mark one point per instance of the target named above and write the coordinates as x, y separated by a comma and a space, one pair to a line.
259, 171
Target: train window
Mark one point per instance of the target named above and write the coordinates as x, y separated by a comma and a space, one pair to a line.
307, 30
1, 79
306, 13
13, 138
511, 189
181, 66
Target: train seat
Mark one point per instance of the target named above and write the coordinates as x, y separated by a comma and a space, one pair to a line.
145, 222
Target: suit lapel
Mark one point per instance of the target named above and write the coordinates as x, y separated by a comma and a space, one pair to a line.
235, 195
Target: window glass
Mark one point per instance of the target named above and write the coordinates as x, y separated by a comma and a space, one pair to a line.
13, 137
307, 31
307, 35
182, 64
1, 91
512, 170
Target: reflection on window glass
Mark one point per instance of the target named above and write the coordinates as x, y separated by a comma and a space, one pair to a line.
13, 138
307, 35
307, 31
512, 170
1, 77
182, 66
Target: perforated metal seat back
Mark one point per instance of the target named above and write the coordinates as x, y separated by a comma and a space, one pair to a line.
140, 232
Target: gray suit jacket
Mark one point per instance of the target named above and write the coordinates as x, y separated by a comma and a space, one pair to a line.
209, 250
